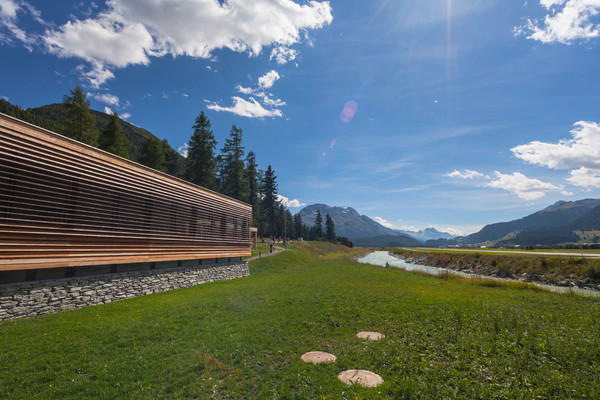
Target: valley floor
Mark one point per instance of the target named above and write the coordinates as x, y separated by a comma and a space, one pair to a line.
444, 338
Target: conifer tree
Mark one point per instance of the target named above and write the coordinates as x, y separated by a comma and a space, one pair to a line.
269, 201
289, 224
173, 161
329, 229
153, 154
233, 173
80, 123
251, 178
200, 163
113, 139
318, 226
298, 226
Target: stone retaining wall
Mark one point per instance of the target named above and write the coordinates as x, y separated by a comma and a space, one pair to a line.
30, 298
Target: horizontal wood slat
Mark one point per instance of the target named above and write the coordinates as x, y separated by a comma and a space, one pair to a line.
63, 204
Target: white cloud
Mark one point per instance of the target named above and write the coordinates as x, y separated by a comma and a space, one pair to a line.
244, 90
583, 150
580, 154
268, 101
466, 174
588, 178
9, 12
245, 108
97, 74
294, 203
251, 108
283, 55
384, 222
106, 98
519, 184
567, 21
566, 193
267, 80
5, 98
183, 149
8, 9
129, 32
125, 116
108, 111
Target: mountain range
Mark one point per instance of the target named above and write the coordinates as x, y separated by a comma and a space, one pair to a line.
363, 231
562, 222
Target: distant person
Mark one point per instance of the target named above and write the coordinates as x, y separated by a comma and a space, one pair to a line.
271, 246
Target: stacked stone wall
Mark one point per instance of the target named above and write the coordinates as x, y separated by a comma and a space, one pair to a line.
31, 298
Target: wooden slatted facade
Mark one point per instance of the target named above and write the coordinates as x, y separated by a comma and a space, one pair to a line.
66, 204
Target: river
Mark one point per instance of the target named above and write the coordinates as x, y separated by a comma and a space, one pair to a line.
383, 258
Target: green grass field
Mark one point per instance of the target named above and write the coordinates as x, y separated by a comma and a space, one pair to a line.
445, 339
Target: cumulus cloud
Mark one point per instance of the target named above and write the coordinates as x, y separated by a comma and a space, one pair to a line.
283, 55
524, 187
588, 178
107, 110
565, 22
106, 98
244, 90
246, 108
583, 149
129, 32
580, 154
251, 108
293, 203
183, 149
267, 80
125, 116
466, 174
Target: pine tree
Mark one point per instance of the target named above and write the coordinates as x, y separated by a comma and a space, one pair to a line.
329, 229
80, 123
318, 226
269, 202
251, 178
113, 139
233, 171
173, 161
153, 154
289, 223
200, 163
298, 226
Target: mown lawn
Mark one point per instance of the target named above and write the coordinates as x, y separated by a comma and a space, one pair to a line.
243, 339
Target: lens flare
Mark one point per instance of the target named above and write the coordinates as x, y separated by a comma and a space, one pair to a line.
332, 144
348, 112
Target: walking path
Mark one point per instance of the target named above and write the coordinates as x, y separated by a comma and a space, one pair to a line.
267, 254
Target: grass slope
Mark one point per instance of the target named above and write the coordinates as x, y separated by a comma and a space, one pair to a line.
243, 338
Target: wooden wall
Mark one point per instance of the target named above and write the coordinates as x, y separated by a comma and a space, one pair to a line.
63, 204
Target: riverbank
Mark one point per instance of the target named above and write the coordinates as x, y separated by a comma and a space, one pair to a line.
563, 271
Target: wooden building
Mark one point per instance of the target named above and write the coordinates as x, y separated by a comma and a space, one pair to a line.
64, 204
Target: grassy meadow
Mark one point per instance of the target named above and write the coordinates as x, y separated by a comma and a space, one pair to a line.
445, 338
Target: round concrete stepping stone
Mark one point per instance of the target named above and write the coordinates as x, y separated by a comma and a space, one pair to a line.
317, 357
360, 377
370, 335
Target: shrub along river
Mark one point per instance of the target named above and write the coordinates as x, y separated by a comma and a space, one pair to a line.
383, 258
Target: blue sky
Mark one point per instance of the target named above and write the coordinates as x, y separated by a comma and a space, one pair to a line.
444, 113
